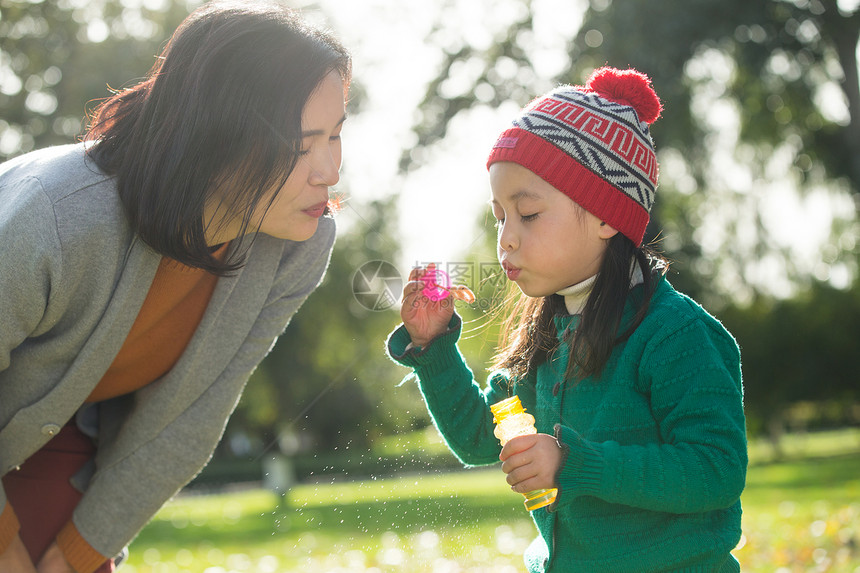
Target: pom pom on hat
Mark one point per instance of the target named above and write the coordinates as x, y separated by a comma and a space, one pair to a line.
627, 87
593, 144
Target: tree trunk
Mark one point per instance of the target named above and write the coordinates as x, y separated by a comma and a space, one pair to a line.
845, 32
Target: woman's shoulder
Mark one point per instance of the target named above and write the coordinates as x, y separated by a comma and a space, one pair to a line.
57, 196
61, 171
67, 180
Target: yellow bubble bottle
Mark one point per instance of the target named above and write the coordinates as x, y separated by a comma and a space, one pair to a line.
511, 421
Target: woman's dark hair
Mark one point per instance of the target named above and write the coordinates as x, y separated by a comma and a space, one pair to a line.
529, 336
223, 103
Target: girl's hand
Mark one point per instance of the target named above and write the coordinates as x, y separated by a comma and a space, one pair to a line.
16, 559
531, 462
423, 318
53, 561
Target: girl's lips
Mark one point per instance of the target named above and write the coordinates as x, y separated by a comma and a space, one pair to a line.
316, 211
511, 271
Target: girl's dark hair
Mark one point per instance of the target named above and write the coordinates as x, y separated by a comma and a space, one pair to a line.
529, 335
223, 103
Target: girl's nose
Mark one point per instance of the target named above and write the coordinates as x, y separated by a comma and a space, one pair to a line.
507, 239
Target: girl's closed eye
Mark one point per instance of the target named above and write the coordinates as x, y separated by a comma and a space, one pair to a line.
498, 216
524, 218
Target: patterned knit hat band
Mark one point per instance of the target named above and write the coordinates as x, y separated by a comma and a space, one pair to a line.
593, 144
591, 192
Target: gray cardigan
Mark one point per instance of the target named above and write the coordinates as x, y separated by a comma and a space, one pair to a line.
72, 279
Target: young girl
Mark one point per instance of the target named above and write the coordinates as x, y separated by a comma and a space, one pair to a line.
635, 389
146, 272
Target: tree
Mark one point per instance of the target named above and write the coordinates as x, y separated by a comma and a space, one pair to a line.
55, 57
768, 88
801, 350
774, 68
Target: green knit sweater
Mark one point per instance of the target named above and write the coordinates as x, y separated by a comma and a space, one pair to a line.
655, 450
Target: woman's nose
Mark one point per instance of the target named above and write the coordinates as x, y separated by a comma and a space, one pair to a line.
325, 169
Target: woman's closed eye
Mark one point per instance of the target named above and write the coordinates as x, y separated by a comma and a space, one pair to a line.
332, 139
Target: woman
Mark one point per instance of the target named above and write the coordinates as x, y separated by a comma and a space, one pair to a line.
146, 271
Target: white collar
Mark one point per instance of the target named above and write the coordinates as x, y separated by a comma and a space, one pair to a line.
576, 296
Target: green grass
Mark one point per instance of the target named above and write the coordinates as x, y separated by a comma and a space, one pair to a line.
802, 514
397, 524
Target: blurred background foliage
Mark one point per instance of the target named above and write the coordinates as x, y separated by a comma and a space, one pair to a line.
758, 96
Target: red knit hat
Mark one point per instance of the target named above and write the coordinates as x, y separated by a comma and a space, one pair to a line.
593, 144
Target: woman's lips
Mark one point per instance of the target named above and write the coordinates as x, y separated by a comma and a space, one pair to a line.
316, 211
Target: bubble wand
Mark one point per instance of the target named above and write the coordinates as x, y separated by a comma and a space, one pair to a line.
436, 291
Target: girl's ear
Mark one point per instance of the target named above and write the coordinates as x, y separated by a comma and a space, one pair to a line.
605, 231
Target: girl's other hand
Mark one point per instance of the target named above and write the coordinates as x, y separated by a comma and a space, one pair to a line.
423, 318
531, 462
16, 559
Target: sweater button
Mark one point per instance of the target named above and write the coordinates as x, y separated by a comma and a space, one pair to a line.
50, 429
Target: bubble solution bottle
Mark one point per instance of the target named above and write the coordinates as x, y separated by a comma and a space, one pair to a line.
512, 421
